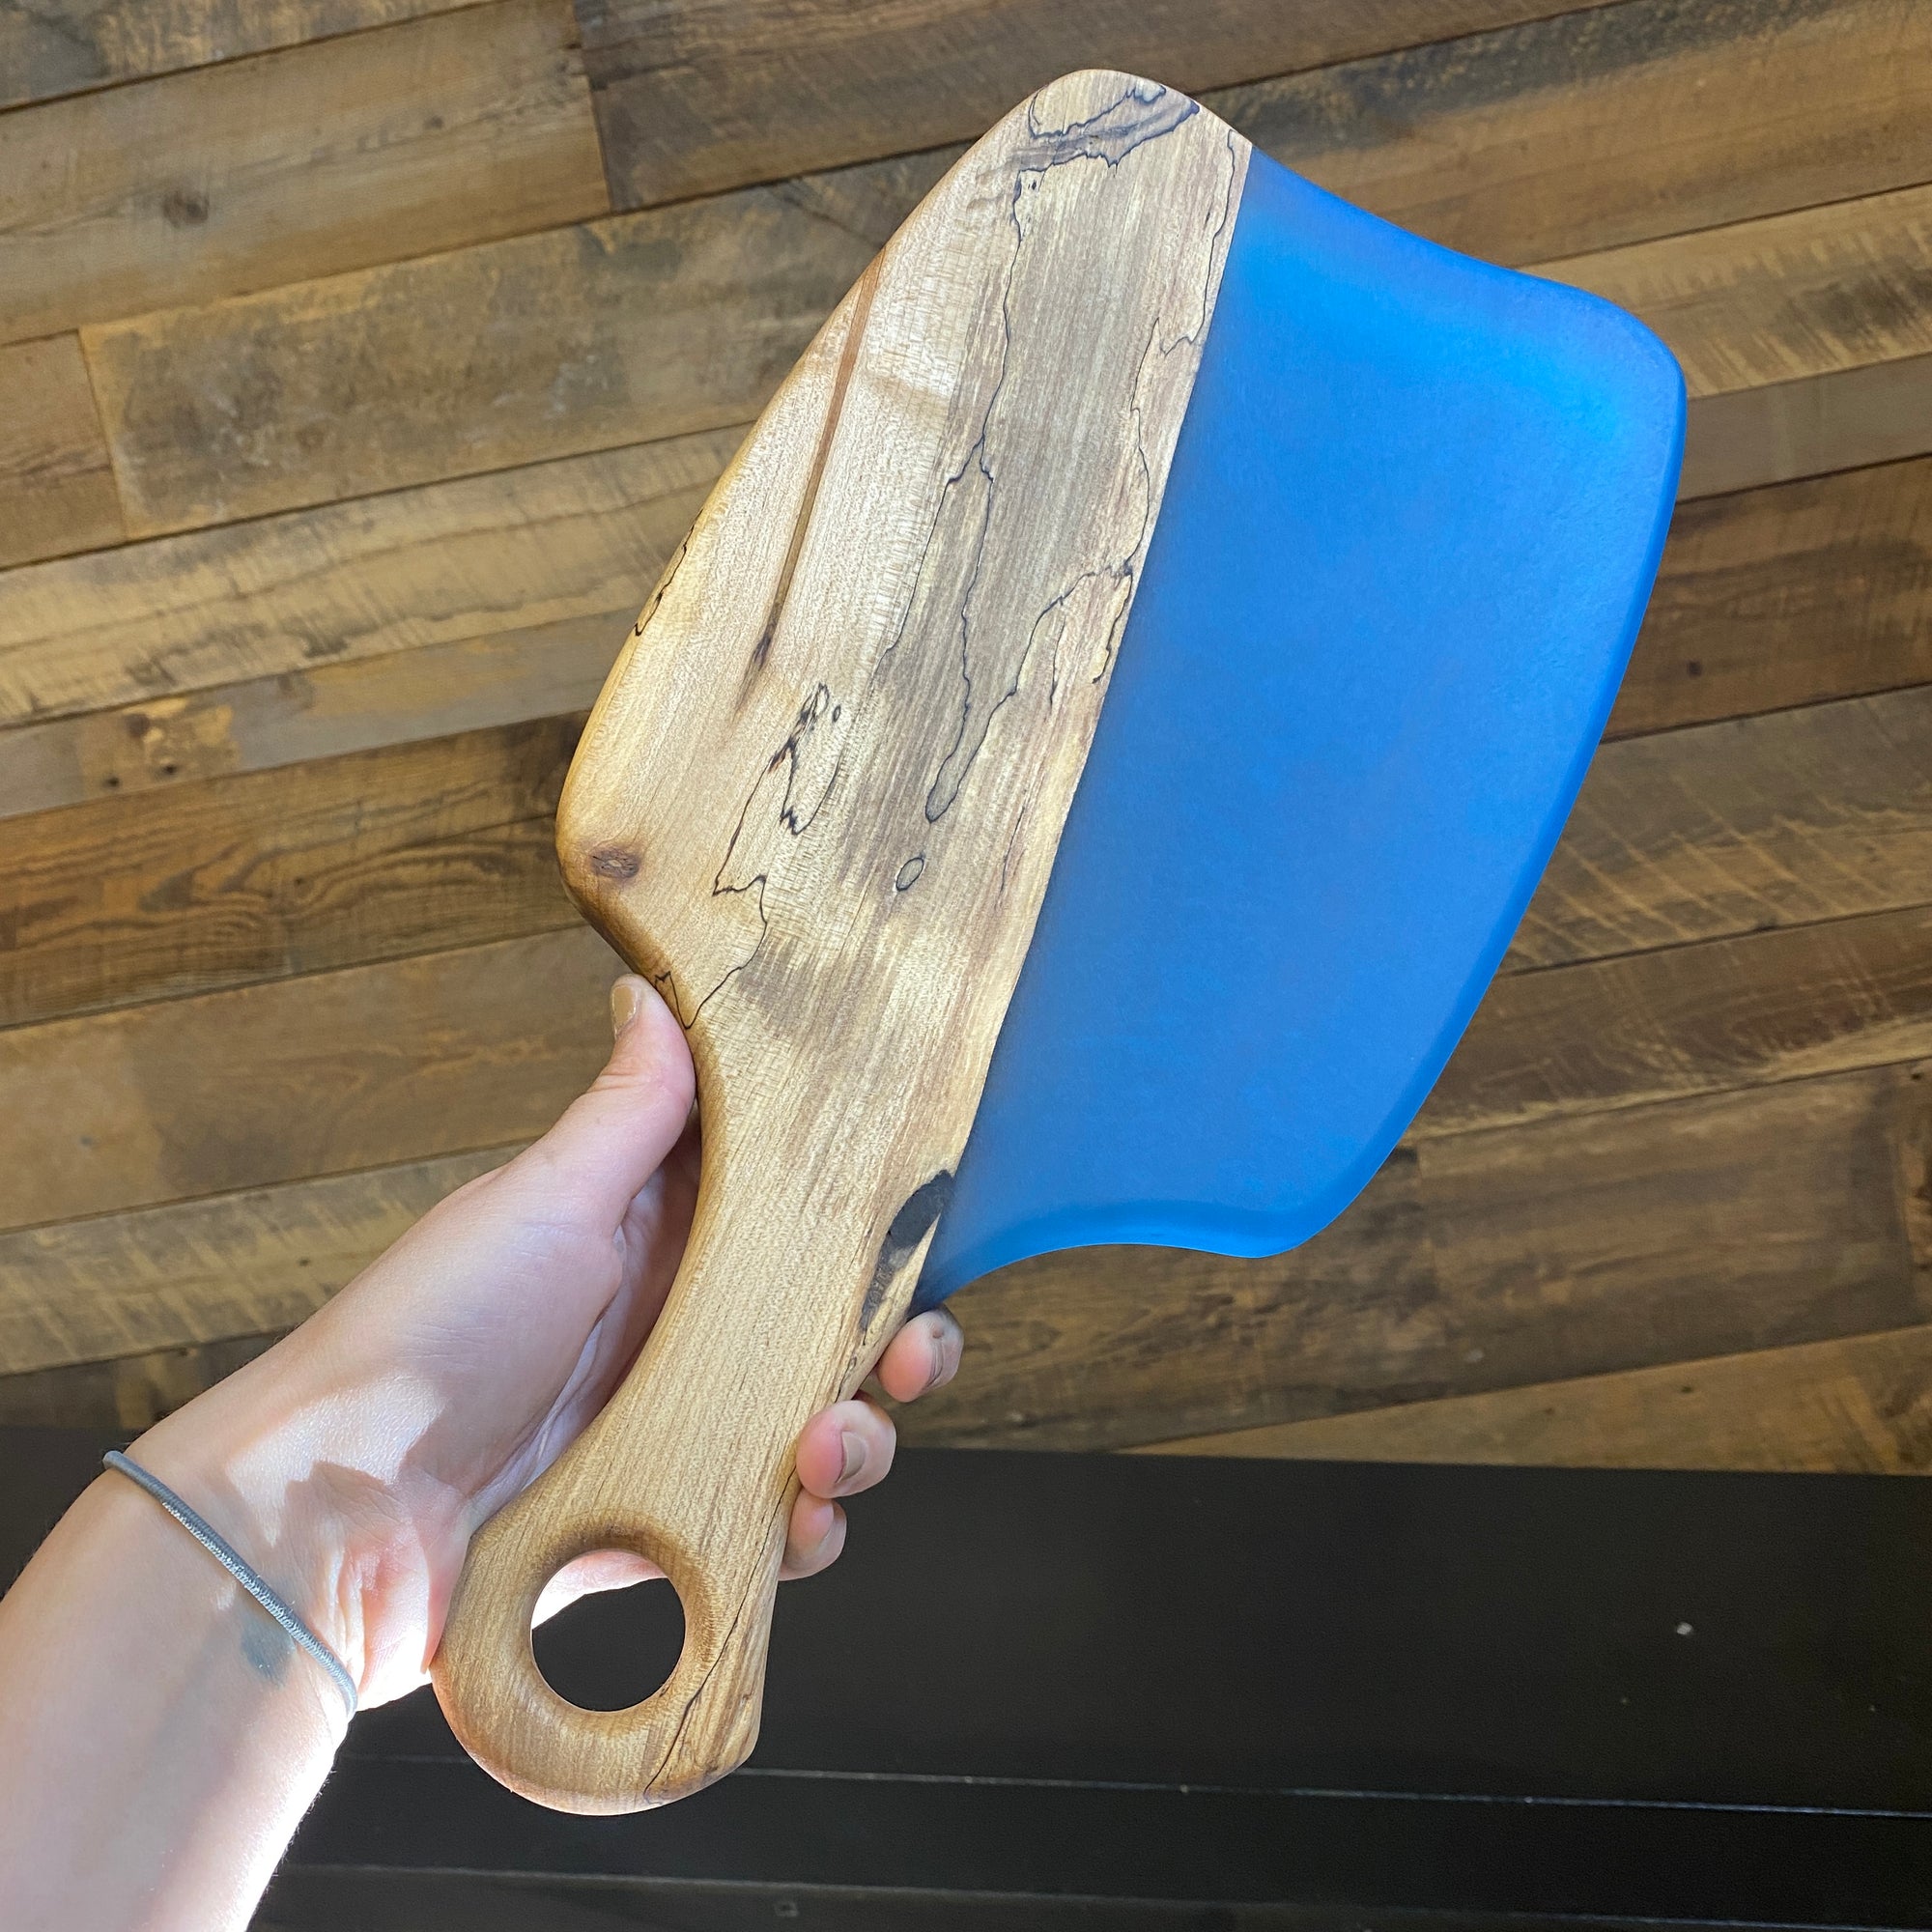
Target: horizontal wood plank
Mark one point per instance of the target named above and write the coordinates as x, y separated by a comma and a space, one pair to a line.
433, 692
1840, 420
487, 557
1812, 293
652, 325
1822, 813
1732, 1012
1746, 1220
364, 1067
692, 100
429, 134
1610, 125
1740, 1221
57, 490
1784, 596
1819, 814
338, 388
373, 855
1858, 1406
203, 1272
1805, 591
50, 47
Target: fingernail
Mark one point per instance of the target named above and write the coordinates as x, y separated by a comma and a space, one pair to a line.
853, 1446
626, 1002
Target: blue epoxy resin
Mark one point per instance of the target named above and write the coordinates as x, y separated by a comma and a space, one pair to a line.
1406, 540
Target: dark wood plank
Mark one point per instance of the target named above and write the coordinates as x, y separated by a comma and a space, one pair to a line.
498, 556
50, 47
395, 1062
1610, 125
131, 1393
1745, 438
369, 856
1740, 1221
695, 99
1860, 1406
1784, 596
428, 134
81, 1293
56, 481
1824, 813
1781, 1005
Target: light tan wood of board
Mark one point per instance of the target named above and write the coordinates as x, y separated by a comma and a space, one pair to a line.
817, 805
1860, 1405
56, 482
425, 135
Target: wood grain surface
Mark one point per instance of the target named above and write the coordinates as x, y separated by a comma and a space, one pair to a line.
373, 854
1733, 1222
695, 99
488, 557
1784, 596
1602, 126
56, 483
404, 492
817, 805
1876, 414
207, 1270
303, 394
50, 47
363, 149
1862, 1405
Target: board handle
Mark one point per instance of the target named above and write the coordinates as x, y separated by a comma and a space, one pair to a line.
689, 1464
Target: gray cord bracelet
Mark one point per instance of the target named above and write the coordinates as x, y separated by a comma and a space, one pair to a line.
224, 1555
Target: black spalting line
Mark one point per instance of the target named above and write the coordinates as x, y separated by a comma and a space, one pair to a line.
910, 1226
1129, 121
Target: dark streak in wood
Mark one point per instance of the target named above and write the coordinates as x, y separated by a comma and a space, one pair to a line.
910, 1226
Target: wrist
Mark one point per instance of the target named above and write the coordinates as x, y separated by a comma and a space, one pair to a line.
305, 1476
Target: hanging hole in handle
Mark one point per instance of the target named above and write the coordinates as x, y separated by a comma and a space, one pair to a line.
614, 1646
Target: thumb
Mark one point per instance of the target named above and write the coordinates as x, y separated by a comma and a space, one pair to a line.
615, 1136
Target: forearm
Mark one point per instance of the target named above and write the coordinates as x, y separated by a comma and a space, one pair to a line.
163, 1735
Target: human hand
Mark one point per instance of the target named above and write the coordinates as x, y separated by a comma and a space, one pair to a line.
355, 1460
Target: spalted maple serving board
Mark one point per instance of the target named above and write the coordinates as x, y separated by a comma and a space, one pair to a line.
817, 805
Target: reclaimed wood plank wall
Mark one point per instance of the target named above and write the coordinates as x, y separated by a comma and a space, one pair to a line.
362, 360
